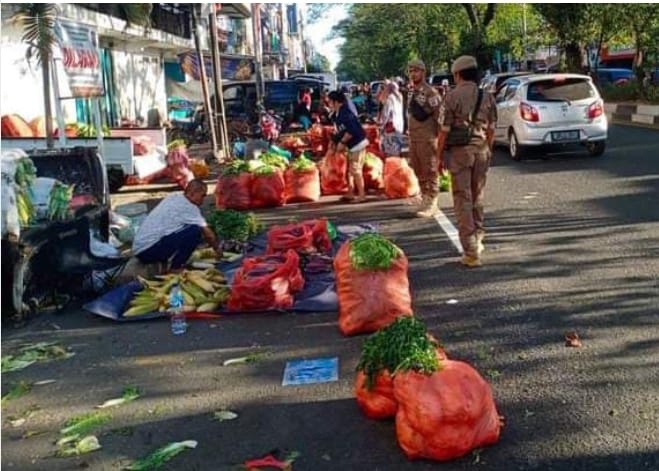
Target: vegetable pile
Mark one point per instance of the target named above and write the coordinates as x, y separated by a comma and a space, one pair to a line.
232, 225
371, 251
58, 204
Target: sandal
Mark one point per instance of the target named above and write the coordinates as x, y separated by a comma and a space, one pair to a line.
347, 199
358, 200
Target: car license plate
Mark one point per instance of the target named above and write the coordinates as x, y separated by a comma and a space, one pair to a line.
565, 136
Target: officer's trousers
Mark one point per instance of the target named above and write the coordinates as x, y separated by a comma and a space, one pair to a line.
423, 159
468, 166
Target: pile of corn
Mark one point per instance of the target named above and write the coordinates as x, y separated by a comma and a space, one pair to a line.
203, 291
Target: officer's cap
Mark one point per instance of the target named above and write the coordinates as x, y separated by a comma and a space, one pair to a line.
416, 64
464, 63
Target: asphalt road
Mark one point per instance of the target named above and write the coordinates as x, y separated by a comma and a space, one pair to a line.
572, 245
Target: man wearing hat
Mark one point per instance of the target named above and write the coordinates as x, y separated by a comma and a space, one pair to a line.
423, 111
468, 120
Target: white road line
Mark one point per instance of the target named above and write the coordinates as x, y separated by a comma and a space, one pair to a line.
450, 229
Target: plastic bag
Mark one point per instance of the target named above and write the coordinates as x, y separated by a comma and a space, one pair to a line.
233, 191
445, 415
143, 145
401, 183
298, 237
333, 174
266, 283
370, 300
302, 186
267, 190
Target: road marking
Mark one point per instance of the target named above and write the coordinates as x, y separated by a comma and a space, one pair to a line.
450, 229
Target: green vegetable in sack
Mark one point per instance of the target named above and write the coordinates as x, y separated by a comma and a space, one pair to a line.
372, 160
58, 204
159, 457
402, 346
234, 225
371, 251
175, 144
302, 164
331, 231
264, 170
26, 173
235, 167
272, 159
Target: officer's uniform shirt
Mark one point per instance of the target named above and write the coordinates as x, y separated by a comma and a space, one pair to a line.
461, 102
430, 101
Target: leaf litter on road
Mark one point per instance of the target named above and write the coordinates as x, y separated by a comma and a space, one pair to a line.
159, 457
251, 358
572, 339
222, 415
85, 423
29, 354
79, 447
130, 393
18, 390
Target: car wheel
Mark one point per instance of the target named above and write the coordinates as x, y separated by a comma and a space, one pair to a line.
516, 151
597, 148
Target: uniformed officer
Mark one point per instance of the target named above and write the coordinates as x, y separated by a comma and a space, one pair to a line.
423, 111
468, 163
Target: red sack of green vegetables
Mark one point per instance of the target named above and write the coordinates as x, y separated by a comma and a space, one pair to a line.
373, 172
266, 283
267, 189
234, 186
446, 414
372, 284
399, 179
333, 174
302, 181
298, 237
401, 344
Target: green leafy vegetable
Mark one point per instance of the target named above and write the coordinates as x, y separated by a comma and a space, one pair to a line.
235, 167
444, 181
175, 144
264, 170
234, 225
302, 164
129, 394
159, 457
371, 251
274, 160
17, 391
402, 346
79, 447
372, 160
85, 423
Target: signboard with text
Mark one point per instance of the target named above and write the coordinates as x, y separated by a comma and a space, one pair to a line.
80, 58
232, 68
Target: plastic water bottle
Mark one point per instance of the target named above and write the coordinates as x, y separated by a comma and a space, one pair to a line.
176, 313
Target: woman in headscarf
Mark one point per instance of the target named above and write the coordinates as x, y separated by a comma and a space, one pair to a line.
392, 111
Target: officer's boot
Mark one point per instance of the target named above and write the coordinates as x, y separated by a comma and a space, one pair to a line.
429, 208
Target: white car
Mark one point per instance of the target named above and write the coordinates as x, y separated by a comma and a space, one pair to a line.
550, 111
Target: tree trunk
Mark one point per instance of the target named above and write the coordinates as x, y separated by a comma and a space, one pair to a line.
573, 57
48, 111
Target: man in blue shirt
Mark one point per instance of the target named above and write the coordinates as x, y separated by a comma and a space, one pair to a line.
350, 137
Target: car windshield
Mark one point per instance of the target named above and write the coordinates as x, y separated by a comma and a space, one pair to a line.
569, 89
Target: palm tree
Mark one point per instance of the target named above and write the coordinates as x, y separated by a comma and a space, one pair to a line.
38, 23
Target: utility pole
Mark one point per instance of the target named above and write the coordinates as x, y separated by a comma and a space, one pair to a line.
220, 115
304, 44
258, 50
204, 80
524, 26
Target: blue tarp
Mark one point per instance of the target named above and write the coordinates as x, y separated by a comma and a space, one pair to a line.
318, 295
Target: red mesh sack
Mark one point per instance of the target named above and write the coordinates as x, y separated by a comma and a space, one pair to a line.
445, 415
378, 402
302, 186
298, 237
401, 183
375, 150
266, 283
372, 133
319, 235
373, 172
233, 191
370, 300
391, 164
267, 191
333, 174
181, 174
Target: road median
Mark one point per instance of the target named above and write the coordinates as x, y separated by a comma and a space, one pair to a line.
633, 114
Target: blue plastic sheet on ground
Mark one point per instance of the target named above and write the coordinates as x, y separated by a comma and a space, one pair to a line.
319, 293
320, 370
